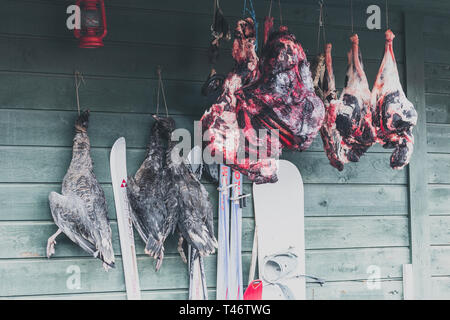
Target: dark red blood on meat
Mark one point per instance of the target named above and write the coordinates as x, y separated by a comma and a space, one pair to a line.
394, 115
284, 94
268, 26
274, 93
347, 132
352, 124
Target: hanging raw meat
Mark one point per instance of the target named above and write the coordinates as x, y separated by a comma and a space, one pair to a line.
219, 123
318, 73
279, 99
347, 132
394, 115
323, 76
283, 98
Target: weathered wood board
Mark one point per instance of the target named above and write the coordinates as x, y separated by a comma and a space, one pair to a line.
437, 86
354, 219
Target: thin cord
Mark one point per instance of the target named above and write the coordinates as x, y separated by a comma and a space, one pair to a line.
252, 13
351, 14
78, 80
323, 29
157, 96
214, 13
321, 26
270, 8
387, 15
161, 89
281, 16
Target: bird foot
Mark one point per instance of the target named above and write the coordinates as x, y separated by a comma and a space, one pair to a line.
106, 267
180, 250
51, 244
50, 247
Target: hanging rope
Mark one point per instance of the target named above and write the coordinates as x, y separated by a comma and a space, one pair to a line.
321, 27
387, 15
78, 81
351, 14
281, 16
214, 13
251, 12
161, 89
279, 8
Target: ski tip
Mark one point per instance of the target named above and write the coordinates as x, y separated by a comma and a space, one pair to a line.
118, 144
119, 141
118, 151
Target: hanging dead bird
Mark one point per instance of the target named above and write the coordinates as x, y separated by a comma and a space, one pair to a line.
188, 200
146, 193
220, 30
80, 211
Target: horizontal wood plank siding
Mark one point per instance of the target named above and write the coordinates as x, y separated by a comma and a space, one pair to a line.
355, 219
437, 79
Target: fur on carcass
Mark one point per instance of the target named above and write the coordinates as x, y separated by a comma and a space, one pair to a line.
275, 94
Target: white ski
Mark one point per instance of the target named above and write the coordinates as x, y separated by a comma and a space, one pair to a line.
236, 238
118, 164
279, 217
197, 280
223, 252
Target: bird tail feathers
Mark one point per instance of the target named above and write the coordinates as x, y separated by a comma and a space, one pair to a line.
203, 241
155, 249
106, 254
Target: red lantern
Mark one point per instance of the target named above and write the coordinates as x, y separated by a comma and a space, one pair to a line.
92, 23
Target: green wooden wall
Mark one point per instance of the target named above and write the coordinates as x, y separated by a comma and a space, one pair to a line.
355, 219
437, 89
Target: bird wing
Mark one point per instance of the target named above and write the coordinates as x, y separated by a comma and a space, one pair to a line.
207, 209
195, 213
70, 215
135, 204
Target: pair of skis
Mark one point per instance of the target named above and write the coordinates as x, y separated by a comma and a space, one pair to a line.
229, 258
